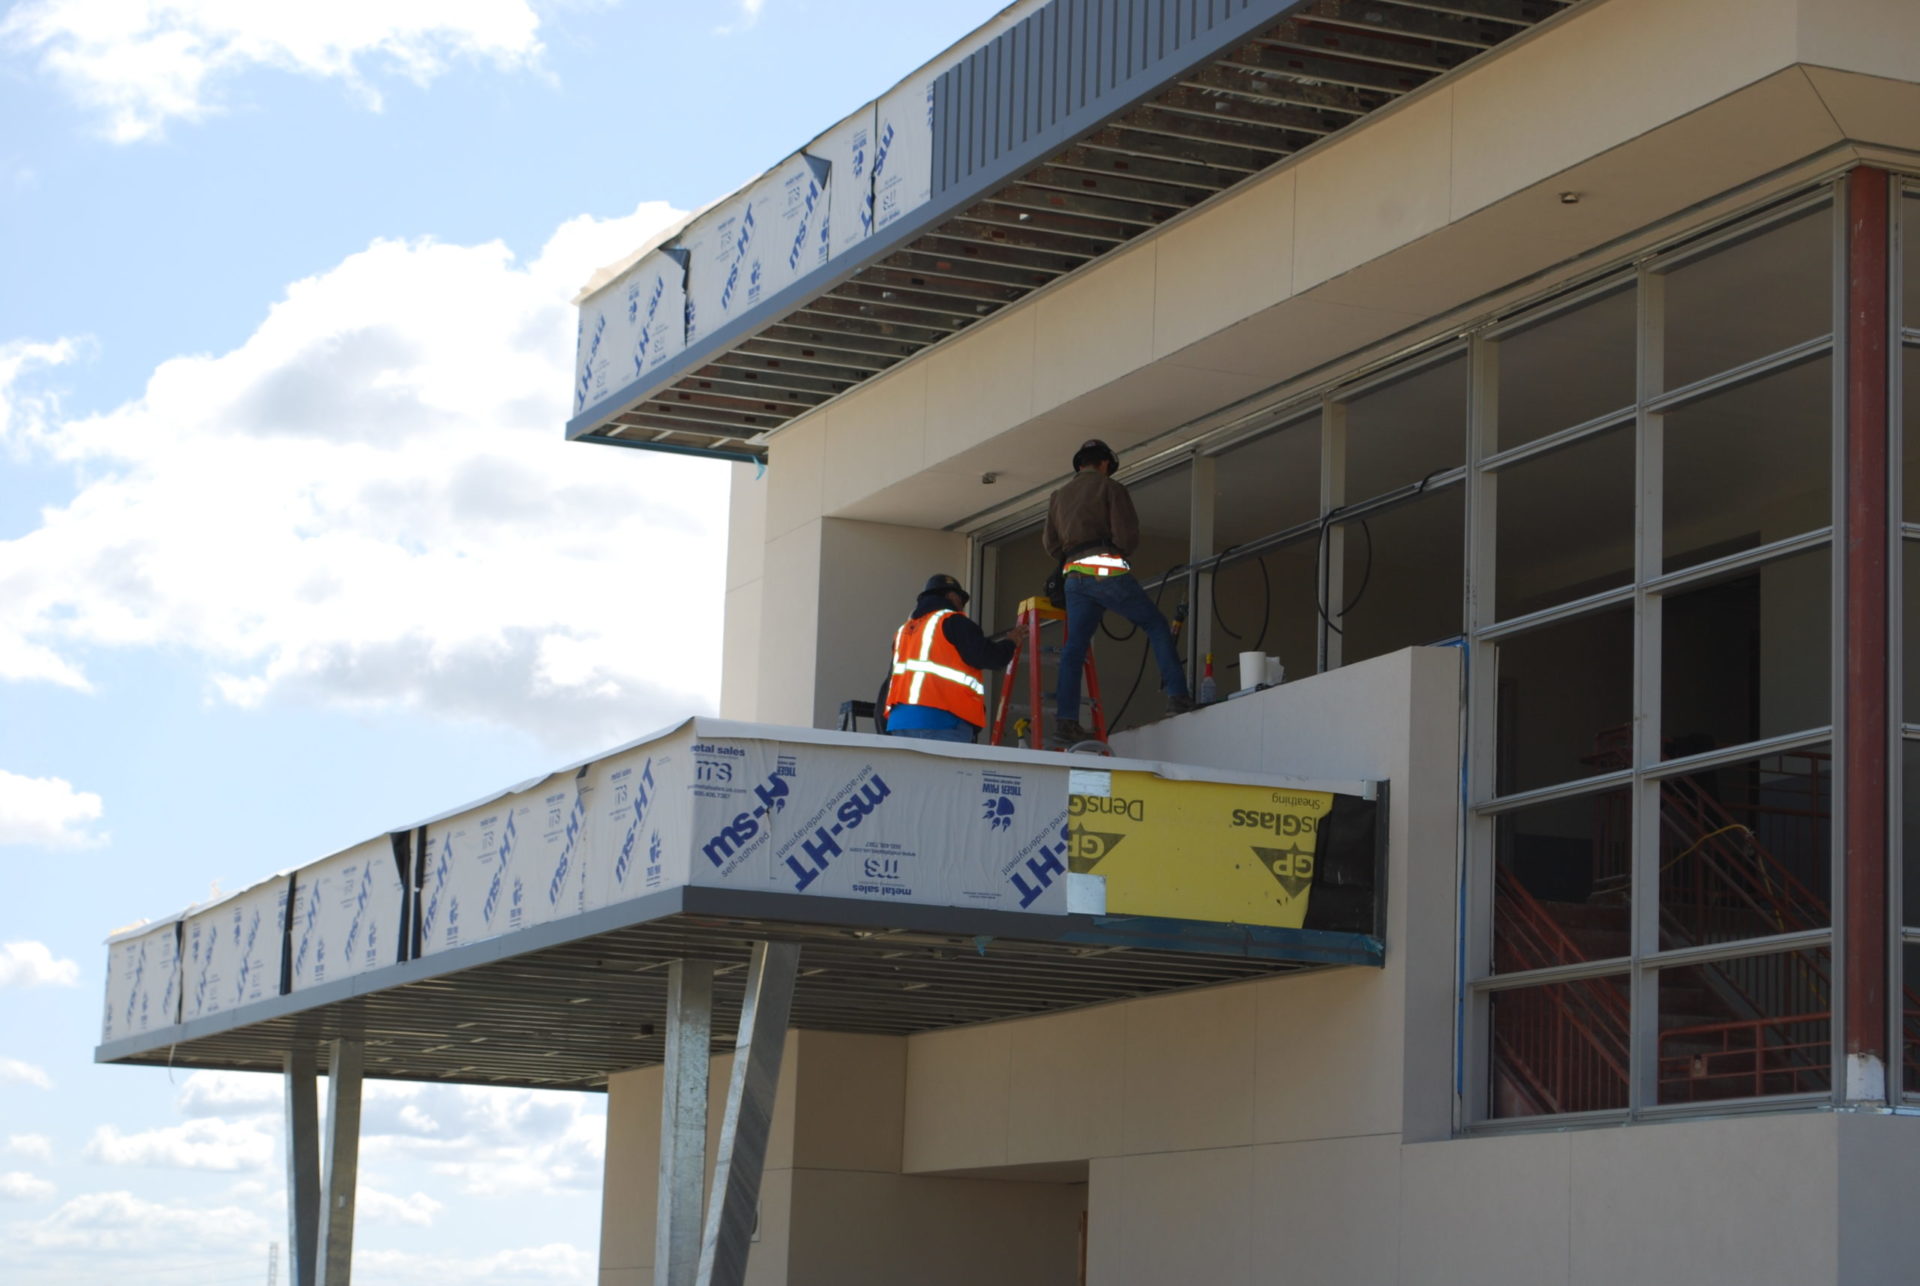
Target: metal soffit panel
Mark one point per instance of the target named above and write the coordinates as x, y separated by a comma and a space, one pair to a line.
1057, 143
569, 1013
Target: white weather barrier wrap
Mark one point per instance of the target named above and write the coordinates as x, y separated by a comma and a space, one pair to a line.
635, 324
346, 914
847, 149
738, 252
233, 950
850, 822
143, 981
903, 150
639, 815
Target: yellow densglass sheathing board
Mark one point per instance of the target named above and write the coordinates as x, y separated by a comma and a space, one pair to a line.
1197, 850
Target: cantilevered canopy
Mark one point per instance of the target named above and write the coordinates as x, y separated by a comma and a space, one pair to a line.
524, 940
1077, 129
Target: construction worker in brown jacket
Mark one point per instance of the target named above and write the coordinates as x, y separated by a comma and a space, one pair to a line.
1091, 529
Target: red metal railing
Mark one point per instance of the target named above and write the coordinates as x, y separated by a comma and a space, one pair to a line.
1746, 1059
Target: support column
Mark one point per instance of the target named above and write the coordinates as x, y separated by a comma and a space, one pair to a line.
303, 1167
343, 1162
1865, 772
683, 1122
733, 1205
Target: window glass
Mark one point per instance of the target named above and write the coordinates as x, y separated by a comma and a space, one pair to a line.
1745, 850
1562, 882
1282, 584
1267, 485
1910, 630
1746, 1028
1565, 697
1910, 429
1749, 464
1763, 293
1568, 369
1910, 847
1910, 257
1564, 524
1403, 576
1747, 656
1559, 1048
1910, 1019
1407, 430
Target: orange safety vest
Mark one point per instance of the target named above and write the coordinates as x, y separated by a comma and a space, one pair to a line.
928, 671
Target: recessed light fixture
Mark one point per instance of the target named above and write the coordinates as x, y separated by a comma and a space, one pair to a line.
1570, 198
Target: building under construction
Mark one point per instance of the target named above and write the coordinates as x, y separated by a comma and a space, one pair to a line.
1528, 377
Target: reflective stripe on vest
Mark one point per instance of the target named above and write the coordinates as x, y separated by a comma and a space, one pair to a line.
1100, 565
919, 679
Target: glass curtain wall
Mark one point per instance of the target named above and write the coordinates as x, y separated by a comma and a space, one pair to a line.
1652, 679
1906, 692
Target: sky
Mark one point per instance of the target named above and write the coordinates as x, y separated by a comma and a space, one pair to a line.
293, 553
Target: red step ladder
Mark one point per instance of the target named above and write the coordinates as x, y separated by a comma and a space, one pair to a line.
1034, 613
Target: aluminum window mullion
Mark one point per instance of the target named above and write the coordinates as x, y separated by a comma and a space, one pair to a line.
1713, 569
1746, 372
1839, 432
1495, 805
1333, 539
1476, 839
1599, 424
1592, 603
1723, 756
1643, 1088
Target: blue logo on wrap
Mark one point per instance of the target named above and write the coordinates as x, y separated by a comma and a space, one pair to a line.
246, 956
646, 328
586, 367
576, 822
306, 933
745, 826
441, 866
740, 245
642, 798
823, 847
360, 901
492, 904
134, 997
800, 237
1043, 866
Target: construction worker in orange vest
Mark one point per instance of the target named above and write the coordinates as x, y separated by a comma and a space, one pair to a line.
937, 692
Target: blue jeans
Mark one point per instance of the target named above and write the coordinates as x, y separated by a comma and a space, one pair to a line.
965, 735
1088, 599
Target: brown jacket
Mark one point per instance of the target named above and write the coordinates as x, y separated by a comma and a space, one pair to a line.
1091, 514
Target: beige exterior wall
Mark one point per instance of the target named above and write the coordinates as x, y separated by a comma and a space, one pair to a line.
1417, 221
835, 1209
1293, 1129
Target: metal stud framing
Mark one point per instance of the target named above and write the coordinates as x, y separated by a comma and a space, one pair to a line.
1324, 66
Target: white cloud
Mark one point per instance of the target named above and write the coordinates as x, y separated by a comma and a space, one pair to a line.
119, 1221
230, 1093
369, 504
498, 1142
384, 1207
37, 1146
30, 964
208, 1143
749, 17
18, 1185
44, 811
14, 1071
532, 1266
143, 63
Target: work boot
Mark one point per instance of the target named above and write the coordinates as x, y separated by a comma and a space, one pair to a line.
1180, 703
1067, 732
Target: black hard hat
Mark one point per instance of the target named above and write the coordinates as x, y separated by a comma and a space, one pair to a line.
945, 584
1093, 451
